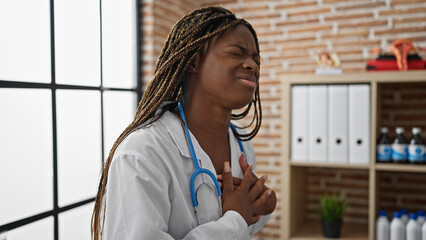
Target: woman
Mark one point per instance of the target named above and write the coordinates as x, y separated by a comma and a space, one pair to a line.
208, 67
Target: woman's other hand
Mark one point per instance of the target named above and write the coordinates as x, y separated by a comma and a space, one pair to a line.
242, 199
259, 184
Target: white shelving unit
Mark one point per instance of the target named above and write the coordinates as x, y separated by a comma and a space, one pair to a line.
296, 226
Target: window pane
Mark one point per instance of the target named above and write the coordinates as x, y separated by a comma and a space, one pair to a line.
79, 144
25, 40
119, 110
42, 229
119, 46
75, 223
77, 44
26, 176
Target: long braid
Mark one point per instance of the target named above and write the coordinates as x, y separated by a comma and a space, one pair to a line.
184, 42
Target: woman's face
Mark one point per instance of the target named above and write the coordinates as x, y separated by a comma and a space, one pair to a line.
228, 69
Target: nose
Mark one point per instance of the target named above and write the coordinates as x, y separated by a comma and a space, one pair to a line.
251, 65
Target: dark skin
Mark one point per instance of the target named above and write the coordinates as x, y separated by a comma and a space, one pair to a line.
224, 77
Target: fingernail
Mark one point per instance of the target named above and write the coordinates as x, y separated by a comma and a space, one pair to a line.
227, 167
269, 191
264, 177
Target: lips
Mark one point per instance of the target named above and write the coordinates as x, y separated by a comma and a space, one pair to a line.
247, 77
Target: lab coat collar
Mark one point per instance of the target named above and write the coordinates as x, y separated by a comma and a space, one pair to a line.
174, 126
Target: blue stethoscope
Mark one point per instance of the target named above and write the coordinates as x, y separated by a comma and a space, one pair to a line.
198, 169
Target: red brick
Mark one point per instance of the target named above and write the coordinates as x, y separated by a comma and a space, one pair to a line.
357, 43
347, 34
404, 2
363, 5
298, 39
357, 25
400, 30
311, 29
402, 11
409, 20
297, 22
309, 12
248, 8
295, 5
349, 16
263, 16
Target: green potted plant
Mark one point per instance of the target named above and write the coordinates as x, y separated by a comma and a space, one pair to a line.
331, 211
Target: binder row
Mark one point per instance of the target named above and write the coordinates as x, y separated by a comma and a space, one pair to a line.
330, 123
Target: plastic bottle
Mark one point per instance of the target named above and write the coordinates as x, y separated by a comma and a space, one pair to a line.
420, 218
399, 147
416, 149
384, 147
397, 227
412, 231
404, 215
382, 226
424, 231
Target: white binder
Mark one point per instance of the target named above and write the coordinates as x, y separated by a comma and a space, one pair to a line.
359, 124
317, 123
299, 123
338, 123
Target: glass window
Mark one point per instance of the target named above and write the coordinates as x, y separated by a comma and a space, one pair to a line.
119, 110
119, 45
77, 42
25, 54
26, 177
42, 229
79, 144
75, 224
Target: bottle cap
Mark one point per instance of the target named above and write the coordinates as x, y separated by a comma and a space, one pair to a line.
404, 211
399, 130
383, 213
420, 213
397, 214
384, 130
416, 130
413, 216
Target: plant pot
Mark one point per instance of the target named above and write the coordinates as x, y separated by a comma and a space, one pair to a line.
331, 229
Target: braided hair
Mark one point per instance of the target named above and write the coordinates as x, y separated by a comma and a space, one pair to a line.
185, 41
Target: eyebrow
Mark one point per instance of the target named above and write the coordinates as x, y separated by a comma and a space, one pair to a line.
256, 54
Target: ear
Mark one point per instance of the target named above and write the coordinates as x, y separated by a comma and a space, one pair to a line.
193, 67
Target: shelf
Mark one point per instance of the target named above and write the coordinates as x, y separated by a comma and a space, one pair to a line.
330, 165
312, 230
366, 77
395, 167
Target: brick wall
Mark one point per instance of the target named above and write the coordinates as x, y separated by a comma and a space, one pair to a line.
290, 32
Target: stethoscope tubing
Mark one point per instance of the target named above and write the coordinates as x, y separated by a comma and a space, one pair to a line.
198, 169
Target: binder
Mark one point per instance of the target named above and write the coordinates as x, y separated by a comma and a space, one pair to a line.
299, 123
359, 124
317, 123
338, 124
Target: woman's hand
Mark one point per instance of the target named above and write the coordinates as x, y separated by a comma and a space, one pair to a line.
258, 183
244, 199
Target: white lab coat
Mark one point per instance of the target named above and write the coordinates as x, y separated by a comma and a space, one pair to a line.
148, 193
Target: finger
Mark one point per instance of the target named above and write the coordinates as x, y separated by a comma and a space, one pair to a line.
257, 189
243, 162
219, 177
237, 181
247, 179
262, 199
228, 185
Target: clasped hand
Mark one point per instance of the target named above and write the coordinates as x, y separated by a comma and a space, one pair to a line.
248, 196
